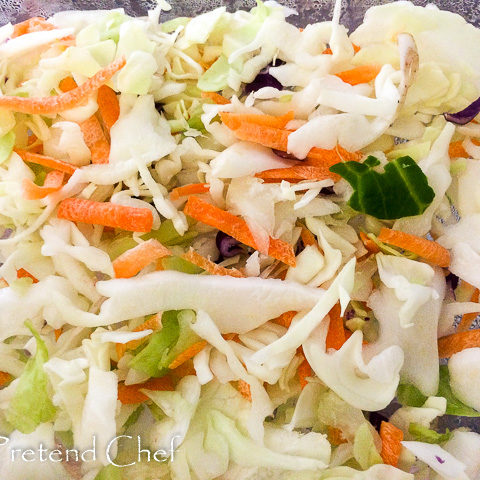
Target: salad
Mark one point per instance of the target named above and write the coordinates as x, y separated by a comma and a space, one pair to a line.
236, 249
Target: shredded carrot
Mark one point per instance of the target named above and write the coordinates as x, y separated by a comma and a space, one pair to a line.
206, 264
285, 319
456, 149
362, 74
335, 436
189, 353
368, 243
64, 101
304, 371
67, 84
336, 332
4, 378
95, 140
48, 162
216, 98
53, 183
277, 138
236, 228
235, 120
328, 51
153, 323
106, 213
108, 106
35, 24
451, 344
131, 394
468, 318
297, 173
22, 273
58, 332
391, 443
184, 370
186, 190
308, 238
427, 249
129, 263
244, 389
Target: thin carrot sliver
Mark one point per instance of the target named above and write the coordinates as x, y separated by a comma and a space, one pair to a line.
34, 24
263, 120
451, 344
468, 318
335, 436
244, 389
108, 214
4, 378
67, 84
236, 228
368, 243
58, 332
456, 149
391, 443
189, 353
304, 371
308, 238
186, 190
131, 394
64, 101
362, 74
285, 319
129, 263
194, 257
46, 161
53, 183
216, 98
297, 173
427, 249
95, 140
22, 273
108, 106
336, 332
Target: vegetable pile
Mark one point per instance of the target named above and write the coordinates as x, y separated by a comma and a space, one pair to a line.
254, 242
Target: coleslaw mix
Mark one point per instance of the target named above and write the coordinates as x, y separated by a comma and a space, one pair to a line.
249, 245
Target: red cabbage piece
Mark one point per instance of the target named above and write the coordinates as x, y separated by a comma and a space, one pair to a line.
227, 245
466, 115
264, 79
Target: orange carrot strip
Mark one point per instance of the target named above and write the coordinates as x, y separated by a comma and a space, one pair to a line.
22, 273
236, 228
4, 378
277, 138
95, 140
67, 84
362, 74
451, 344
468, 318
194, 257
368, 243
187, 190
216, 98
35, 24
64, 101
244, 389
131, 394
45, 161
456, 150
430, 251
184, 370
236, 119
189, 353
336, 333
297, 173
391, 443
105, 213
108, 106
53, 183
308, 238
129, 263
58, 332
285, 319
335, 436
304, 371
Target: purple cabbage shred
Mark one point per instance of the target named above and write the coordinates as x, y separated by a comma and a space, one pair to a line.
464, 116
227, 245
439, 460
6, 233
264, 79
